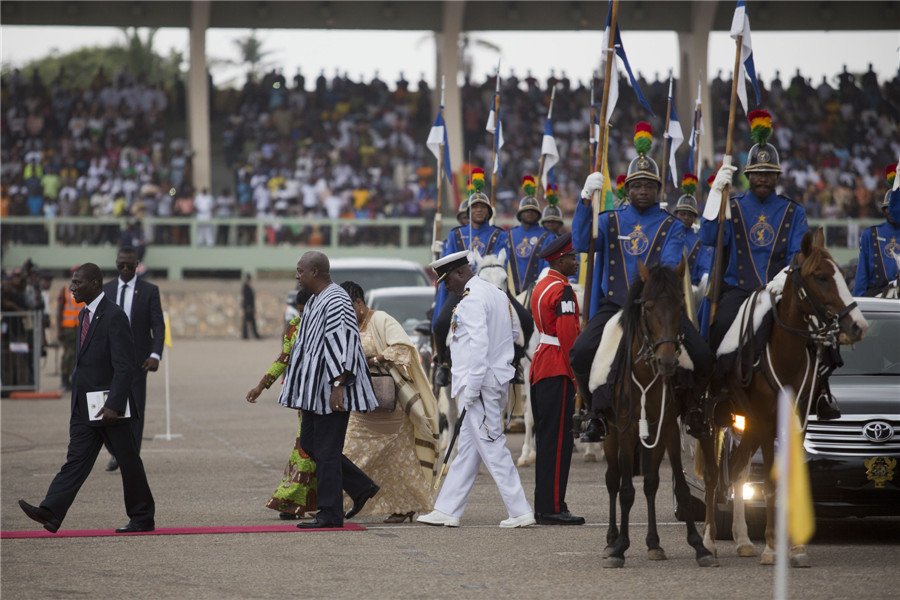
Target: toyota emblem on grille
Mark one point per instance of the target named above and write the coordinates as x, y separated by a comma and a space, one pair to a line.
878, 431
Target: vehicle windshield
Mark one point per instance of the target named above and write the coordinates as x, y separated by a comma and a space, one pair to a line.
879, 352
408, 310
378, 278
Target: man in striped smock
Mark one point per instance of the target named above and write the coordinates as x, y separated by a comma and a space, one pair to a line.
326, 378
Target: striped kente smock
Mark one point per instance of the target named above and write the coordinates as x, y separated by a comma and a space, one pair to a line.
327, 346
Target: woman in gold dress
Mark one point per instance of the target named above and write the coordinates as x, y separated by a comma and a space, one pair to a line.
397, 448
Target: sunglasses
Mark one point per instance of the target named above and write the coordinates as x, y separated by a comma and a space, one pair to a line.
126, 265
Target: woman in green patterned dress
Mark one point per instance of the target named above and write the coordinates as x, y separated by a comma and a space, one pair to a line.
296, 495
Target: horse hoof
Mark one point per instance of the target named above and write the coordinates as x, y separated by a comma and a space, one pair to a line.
656, 554
767, 558
590, 458
712, 549
746, 550
614, 562
708, 561
607, 552
800, 561
522, 462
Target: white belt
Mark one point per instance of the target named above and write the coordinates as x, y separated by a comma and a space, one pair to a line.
550, 340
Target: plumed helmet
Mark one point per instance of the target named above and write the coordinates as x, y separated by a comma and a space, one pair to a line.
642, 166
763, 157
528, 201
890, 172
478, 197
687, 201
552, 212
463, 208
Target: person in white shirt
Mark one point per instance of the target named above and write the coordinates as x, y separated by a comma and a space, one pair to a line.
203, 205
482, 330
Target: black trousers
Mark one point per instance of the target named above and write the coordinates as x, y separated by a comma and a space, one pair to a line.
249, 323
84, 446
553, 404
322, 438
726, 312
139, 393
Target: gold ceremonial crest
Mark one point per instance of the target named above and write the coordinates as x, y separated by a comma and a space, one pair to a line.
892, 249
637, 242
762, 233
880, 469
478, 245
523, 250
762, 157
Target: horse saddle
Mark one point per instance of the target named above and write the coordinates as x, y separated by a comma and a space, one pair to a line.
749, 332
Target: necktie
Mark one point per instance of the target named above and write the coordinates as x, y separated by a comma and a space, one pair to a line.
85, 325
122, 296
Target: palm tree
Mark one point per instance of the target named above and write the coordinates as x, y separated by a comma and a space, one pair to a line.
252, 53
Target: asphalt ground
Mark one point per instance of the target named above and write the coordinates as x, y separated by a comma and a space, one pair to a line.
230, 458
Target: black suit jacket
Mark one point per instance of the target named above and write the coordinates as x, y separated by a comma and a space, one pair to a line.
105, 361
147, 323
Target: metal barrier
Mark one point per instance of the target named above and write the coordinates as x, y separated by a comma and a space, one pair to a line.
20, 350
237, 245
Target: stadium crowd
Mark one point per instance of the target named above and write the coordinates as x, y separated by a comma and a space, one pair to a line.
341, 148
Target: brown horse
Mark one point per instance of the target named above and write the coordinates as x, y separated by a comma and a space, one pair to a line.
645, 410
815, 309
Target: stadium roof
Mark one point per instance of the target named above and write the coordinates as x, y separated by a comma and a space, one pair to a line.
480, 15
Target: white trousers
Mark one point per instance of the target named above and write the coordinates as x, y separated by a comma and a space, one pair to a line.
475, 447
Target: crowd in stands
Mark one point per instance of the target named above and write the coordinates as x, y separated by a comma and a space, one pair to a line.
341, 148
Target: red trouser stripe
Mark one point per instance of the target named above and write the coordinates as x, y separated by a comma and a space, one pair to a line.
559, 443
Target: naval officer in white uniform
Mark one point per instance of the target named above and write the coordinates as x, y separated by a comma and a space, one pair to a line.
482, 330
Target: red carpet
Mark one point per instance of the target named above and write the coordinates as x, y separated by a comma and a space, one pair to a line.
41, 533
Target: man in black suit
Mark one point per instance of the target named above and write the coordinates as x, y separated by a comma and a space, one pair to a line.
104, 361
140, 301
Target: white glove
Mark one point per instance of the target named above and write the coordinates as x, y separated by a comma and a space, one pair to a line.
593, 183
722, 181
469, 400
437, 246
776, 286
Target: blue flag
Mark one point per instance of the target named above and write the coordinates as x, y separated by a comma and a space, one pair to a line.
740, 26
620, 51
436, 137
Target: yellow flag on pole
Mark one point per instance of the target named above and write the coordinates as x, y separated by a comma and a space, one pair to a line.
608, 195
167, 339
800, 513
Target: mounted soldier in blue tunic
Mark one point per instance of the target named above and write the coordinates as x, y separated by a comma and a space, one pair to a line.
879, 247
639, 231
527, 241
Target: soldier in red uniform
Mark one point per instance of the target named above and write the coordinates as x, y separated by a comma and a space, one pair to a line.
555, 312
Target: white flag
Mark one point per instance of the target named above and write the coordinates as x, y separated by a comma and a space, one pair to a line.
549, 151
675, 134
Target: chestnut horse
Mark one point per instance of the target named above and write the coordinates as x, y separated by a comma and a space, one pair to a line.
816, 310
645, 410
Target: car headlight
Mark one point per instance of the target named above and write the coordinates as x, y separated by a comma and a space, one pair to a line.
739, 422
749, 491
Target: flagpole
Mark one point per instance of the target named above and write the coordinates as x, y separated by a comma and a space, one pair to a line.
715, 276
596, 199
665, 159
593, 149
494, 153
698, 168
540, 184
436, 231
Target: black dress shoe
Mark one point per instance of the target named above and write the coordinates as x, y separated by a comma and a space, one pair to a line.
113, 464
358, 503
317, 524
41, 515
563, 518
133, 527
442, 376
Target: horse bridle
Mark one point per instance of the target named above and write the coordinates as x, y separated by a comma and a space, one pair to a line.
647, 351
826, 327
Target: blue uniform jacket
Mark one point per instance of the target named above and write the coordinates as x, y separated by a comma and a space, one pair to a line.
877, 266
761, 238
624, 237
525, 243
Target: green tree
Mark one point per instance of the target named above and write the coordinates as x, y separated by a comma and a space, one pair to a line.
252, 53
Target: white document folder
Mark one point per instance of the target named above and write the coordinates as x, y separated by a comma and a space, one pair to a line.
96, 401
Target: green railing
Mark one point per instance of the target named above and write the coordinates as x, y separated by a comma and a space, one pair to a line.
176, 248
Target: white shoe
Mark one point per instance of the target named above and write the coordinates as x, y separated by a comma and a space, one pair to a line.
438, 518
520, 521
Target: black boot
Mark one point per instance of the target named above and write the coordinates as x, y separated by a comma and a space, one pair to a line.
596, 430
